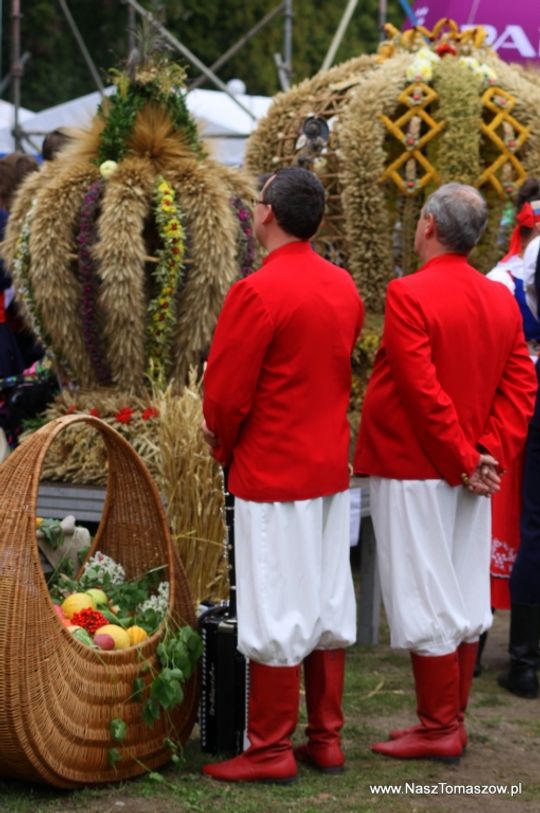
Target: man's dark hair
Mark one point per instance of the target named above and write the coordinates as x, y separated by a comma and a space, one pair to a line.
13, 169
297, 199
53, 143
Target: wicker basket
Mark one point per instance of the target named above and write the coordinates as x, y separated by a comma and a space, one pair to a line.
58, 696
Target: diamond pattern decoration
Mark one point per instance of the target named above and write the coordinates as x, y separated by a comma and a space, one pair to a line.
407, 129
508, 135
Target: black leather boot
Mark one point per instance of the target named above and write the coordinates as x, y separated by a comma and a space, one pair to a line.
521, 678
481, 644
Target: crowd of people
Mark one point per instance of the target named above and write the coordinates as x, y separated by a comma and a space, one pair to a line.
447, 411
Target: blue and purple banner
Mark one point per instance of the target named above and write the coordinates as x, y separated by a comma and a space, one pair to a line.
513, 28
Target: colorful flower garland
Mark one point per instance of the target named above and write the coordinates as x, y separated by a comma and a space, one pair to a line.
169, 275
86, 239
247, 247
21, 268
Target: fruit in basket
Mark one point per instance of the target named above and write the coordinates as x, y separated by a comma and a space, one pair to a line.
75, 603
136, 635
83, 636
59, 611
104, 641
98, 596
118, 634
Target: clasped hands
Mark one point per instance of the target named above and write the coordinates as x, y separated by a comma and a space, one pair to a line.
209, 436
485, 479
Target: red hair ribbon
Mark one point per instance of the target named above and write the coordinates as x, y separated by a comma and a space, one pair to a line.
527, 217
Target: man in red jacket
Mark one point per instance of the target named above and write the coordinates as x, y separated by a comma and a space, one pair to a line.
446, 409
276, 391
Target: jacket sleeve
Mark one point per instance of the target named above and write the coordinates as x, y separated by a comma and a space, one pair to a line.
243, 333
513, 404
430, 409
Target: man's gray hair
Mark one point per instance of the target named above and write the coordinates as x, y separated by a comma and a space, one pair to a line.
460, 213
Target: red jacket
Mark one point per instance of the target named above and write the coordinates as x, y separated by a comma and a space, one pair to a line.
452, 377
277, 384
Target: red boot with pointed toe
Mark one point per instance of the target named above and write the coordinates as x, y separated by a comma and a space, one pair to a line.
324, 673
467, 656
272, 716
438, 700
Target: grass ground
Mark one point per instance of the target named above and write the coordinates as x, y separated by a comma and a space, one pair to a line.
504, 742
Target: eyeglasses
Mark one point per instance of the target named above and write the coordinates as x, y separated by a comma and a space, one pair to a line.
264, 202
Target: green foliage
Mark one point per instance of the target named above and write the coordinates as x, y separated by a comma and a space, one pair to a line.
118, 729
121, 112
128, 595
178, 654
57, 72
113, 756
53, 532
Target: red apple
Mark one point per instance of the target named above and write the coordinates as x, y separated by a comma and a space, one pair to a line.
104, 641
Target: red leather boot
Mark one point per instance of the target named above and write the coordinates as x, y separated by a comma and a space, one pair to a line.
467, 656
467, 653
437, 694
324, 673
274, 694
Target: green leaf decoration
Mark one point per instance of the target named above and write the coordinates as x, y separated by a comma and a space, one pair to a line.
53, 533
166, 690
113, 756
150, 711
138, 689
118, 729
156, 777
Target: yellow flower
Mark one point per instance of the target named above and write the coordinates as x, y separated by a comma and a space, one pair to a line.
107, 168
164, 187
419, 70
427, 55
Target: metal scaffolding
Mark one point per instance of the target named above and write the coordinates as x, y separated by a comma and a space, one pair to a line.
284, 62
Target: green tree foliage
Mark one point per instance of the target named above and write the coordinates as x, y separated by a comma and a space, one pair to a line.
57, 72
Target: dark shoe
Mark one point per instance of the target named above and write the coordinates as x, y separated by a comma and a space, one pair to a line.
521, 682
478, 664
521, 678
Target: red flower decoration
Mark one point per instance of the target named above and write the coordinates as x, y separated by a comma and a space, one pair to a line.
90, 619
150, 412
71, 409
124, 415
94, 412
445, 48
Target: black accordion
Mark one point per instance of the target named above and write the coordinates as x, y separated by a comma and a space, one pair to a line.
225, 673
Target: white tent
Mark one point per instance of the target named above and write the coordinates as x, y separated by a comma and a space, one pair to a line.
7, 116
223, 124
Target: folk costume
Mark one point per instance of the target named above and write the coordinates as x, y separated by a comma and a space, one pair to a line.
276, 393
524, 649
452, 377
506, 504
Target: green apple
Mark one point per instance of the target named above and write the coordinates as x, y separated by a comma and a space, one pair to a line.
97, 596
